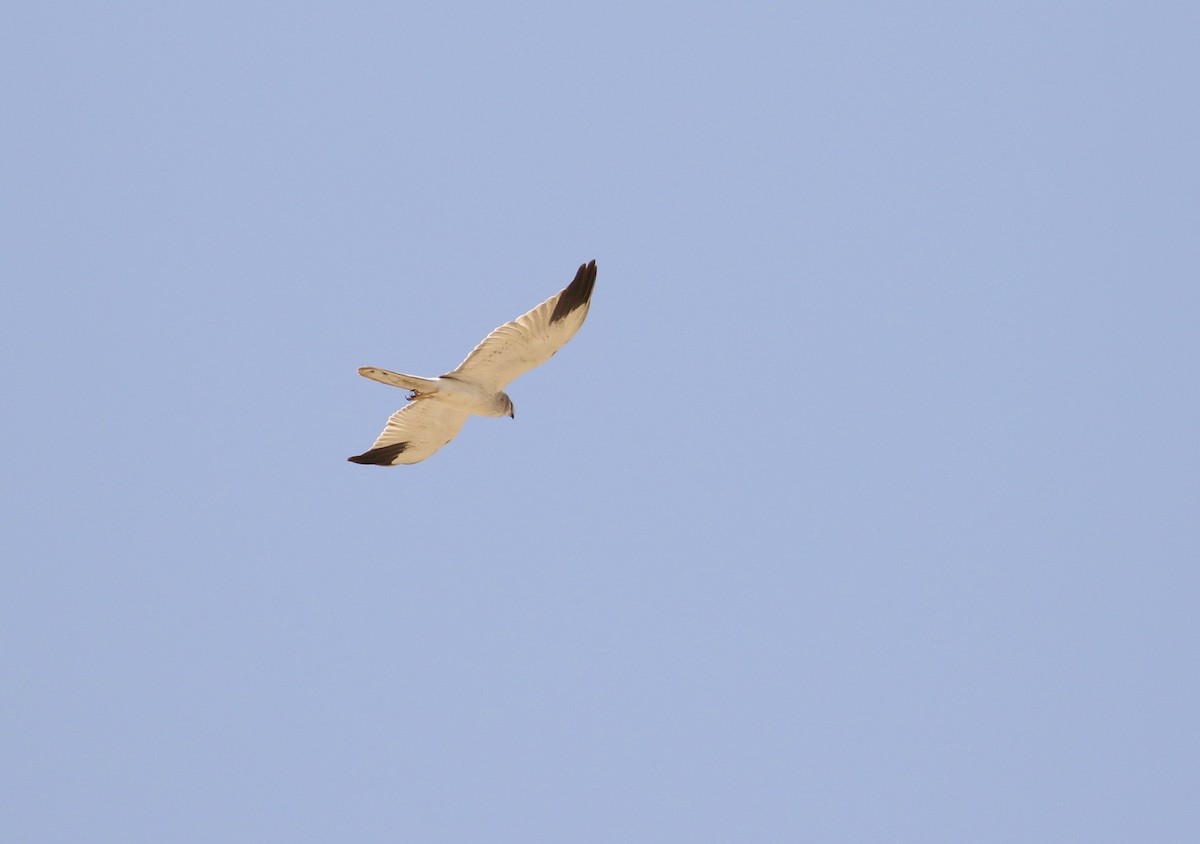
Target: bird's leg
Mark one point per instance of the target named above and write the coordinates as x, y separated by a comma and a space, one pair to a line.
415, 395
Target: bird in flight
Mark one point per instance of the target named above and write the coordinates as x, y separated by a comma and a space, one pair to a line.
439, 406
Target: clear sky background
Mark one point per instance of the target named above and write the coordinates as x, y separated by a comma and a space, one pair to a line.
864, 506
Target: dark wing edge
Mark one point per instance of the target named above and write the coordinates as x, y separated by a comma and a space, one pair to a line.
576, 294
382, 456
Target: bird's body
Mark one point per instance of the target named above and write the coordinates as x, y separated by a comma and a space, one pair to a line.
471, 398
439, 406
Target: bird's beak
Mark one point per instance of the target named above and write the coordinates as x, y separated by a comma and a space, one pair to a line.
512, 414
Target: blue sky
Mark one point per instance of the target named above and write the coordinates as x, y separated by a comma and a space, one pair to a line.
863, 507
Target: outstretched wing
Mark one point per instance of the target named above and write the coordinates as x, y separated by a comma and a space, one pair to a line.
531, 339
414, 432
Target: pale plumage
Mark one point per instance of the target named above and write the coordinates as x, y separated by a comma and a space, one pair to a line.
439, 406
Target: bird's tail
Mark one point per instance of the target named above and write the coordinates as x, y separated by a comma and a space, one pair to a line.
396, 379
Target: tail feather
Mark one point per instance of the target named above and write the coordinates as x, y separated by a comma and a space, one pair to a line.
397, 379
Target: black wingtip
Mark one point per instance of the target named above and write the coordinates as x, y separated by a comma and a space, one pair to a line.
577, 294
382, 456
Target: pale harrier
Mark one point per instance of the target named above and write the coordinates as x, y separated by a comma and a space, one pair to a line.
441, 405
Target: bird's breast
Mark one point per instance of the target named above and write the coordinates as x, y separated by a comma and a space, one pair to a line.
470, 397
